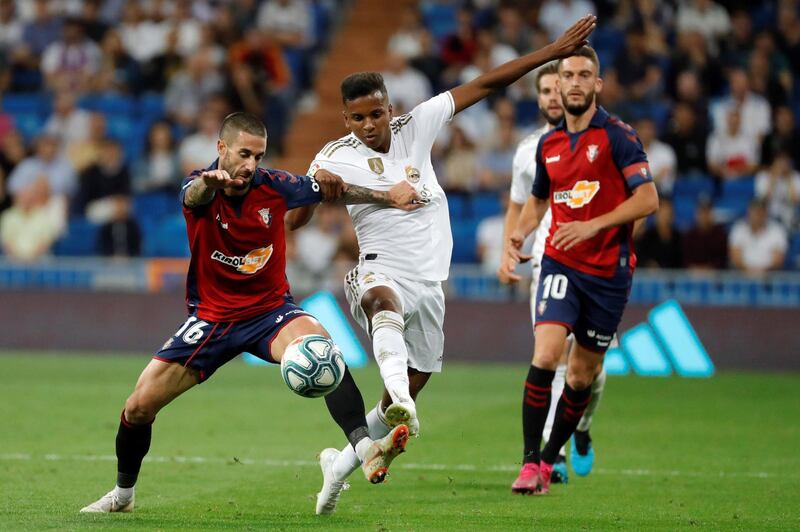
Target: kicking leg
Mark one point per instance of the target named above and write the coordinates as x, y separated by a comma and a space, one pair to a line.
158, 385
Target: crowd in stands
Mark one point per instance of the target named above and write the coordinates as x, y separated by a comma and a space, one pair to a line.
99, 116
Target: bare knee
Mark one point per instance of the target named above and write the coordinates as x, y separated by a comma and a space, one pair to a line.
581, 372
139, 411
379, 299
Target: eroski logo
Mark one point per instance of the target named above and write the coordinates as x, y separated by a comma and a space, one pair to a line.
579, 195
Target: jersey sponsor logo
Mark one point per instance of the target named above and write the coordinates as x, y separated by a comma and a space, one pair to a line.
249, 264
266, 217
579, 195
376, 165
592, 151
553, 159
412, 174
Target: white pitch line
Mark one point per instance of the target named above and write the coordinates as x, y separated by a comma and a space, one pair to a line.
506, 468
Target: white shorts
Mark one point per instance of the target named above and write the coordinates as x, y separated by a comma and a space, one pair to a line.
423, 312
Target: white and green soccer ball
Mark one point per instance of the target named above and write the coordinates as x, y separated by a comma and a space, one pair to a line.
312, 366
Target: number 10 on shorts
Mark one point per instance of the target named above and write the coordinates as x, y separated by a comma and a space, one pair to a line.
554, 286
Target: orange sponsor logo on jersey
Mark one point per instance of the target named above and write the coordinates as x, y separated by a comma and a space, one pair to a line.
250, 263
579, 195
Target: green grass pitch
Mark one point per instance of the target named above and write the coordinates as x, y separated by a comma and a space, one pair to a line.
239, 452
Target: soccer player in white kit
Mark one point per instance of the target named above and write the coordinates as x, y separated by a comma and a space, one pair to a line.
395, 291
524, 170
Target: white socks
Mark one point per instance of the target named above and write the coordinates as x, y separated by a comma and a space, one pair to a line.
391, 353
123, 494
349, 459
598, 386
555, 394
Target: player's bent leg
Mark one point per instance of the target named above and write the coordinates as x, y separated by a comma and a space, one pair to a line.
158, 385
405, 413
582, 452
581, 369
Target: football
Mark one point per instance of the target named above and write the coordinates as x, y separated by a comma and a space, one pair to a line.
312, 366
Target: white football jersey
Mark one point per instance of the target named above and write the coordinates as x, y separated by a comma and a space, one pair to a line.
522, 175
415, 245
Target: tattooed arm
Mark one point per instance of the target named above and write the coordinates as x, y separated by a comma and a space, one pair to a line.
201, 189
402, 196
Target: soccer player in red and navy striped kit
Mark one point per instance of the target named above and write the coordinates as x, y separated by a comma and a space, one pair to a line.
592, 171
238, 296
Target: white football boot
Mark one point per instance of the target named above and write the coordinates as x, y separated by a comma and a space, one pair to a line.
381, 453
110, 502
331, 488
403, 413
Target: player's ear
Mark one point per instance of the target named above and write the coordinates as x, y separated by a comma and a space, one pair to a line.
221, 147
598, 85
346, 119
391, 111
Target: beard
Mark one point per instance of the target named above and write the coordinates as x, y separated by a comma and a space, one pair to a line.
549, 118
577, 109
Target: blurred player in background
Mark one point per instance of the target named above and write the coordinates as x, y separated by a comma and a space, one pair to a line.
524, 169
592, 171
238, 296
395, 291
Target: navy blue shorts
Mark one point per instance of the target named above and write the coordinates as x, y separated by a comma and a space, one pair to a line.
589, 306
206, 346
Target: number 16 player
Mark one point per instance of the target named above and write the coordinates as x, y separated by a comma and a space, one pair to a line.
592, 171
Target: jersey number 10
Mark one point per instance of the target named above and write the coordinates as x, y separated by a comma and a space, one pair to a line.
555, 286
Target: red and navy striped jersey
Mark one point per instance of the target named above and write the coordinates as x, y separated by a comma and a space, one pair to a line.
585, 175
237, 268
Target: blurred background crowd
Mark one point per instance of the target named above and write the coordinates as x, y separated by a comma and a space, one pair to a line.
106, 105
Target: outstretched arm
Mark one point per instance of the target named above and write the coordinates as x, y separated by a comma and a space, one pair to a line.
401, 196
476, 90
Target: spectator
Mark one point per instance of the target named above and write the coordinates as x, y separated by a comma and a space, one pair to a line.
757, 244
661, 156
10, 26
6, 123
12, 152
119, 72
495, 165
693, 55
144, 36
732, 153
32, 224
67, 123
688, 140
489, 239
512, 30
460, 163
195, 149
105, 198
406, 87
765, 82
779, 187
289, 22
706, 17
660, 244
429, 63
46, 162
329, 243
705, 246
91, 18
159, 169
558, 15
777, 64
158, 70
689, 91
785, 137
459, 48
638, 70
497, 52
43, 30
189, 87
738, 44
86, 152
71, 62
788, 38
188, 29
407, 40
756, 115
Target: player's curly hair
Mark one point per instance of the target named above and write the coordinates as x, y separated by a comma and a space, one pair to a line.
583, 51
241, 121
362, 84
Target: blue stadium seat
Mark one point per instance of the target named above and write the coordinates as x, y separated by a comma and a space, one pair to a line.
742, 188
464, 232
527, 112
731, 208
79, 240
29, 124
485, 204
155, 206
151, 106
684, 208
166, 239
693, 186
459, 207
109, 104
793, 254
15, 103
440, 19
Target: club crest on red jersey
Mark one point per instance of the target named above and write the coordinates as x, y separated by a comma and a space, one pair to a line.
592, 151
266, 217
